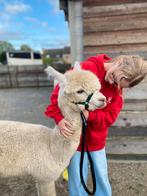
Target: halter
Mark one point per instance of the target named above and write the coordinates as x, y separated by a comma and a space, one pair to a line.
85, 103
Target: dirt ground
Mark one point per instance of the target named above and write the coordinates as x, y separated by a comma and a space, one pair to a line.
25, 186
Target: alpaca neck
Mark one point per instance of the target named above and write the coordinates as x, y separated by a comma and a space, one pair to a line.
74, 119
63, 148
71, 114
70, 144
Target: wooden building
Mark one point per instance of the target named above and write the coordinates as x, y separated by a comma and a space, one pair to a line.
106, 26
113, 27
116, 27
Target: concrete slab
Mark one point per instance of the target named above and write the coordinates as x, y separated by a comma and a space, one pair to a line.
127, 145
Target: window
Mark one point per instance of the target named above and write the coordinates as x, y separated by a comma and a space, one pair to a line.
36, 56
24, 55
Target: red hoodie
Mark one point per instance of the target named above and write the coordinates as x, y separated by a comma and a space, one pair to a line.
100, 119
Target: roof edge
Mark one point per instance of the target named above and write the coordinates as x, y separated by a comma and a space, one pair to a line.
64, 6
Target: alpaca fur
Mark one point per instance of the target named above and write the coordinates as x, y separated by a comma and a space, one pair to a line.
41, 151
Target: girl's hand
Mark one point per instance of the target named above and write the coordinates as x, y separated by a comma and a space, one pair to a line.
65, 128
86, 114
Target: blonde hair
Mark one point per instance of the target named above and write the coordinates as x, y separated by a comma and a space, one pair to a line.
133, 67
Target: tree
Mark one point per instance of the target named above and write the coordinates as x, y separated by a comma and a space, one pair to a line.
25, 48
6, 46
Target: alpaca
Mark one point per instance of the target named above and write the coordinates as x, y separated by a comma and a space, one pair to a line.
41, 151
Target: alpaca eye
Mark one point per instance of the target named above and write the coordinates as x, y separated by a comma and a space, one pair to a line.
80, 91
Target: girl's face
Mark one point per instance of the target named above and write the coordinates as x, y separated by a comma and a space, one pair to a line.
115, 76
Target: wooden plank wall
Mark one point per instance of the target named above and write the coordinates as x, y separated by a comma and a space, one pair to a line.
119, 27
115, 27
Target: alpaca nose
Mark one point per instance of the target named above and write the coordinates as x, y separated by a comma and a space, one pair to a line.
102, 99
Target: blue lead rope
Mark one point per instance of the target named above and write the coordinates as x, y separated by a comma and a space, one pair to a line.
84, 125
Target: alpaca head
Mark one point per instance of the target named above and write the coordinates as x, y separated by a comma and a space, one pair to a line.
79, 88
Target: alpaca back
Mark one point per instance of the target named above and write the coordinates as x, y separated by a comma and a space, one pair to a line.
21, 145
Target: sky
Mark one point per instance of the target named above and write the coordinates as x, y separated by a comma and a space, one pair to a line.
37, 23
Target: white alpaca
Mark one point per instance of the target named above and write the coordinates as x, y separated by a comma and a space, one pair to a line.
41, 151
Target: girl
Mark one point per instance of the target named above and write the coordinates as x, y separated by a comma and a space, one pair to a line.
114, 75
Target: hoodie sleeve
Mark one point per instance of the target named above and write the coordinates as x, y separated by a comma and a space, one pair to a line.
104, 118
52, 110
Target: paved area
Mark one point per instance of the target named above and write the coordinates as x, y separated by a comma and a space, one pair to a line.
25, 104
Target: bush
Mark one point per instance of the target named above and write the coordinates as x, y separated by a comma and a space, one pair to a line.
47, 61
2, 58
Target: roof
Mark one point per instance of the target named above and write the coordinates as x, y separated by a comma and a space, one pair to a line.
66, 50
64, 6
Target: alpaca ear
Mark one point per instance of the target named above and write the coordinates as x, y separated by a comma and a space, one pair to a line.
77, 66
55, 75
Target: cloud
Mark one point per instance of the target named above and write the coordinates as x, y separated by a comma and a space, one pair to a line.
16, 8
36, 21
39, 44
39, 34
8, 13
5, 21
8, 22
2, 1
55, 5
51, 43
10, 35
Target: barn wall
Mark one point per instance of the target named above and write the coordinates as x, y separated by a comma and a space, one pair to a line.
115, 27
